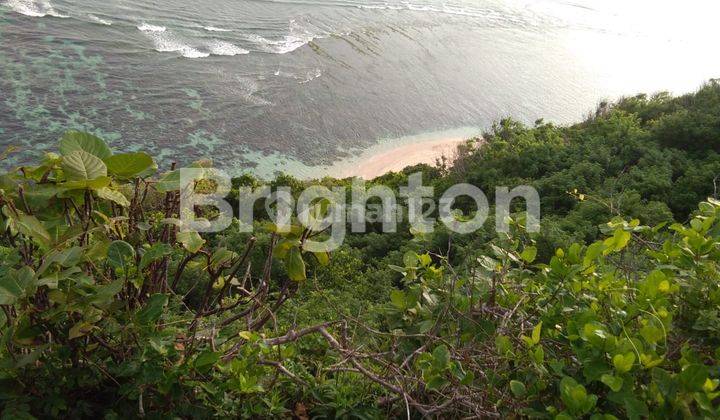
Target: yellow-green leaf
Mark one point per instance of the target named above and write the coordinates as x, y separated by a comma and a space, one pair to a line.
529, 254
113, 195
536, 333
295, 265
83, 166
191, 241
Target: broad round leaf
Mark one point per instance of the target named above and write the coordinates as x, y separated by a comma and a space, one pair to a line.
518, 388
83, 166
75, 140
128, 165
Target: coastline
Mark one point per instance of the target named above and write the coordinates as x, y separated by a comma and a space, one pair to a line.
397, 154
398, 158
387, 155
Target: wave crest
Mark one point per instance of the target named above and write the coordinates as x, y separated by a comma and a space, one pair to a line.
216, 29
165, 40
34, 8
226, 48
99, 20
285, 45
146, 27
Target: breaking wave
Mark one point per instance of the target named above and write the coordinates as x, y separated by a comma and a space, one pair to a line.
285, 45
99, 20
216, 29
226, 48
167, 41
33, 8
146, 27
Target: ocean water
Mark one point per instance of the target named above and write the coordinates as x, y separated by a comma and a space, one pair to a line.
296, 85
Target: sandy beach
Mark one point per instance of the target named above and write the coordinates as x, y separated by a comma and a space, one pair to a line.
373, 164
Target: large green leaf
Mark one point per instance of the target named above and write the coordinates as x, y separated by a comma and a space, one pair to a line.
27, 334
65, 257
295, 265
170, 181
114, 196
529, 254
613, 382
90, 184
624, 362
155, 253
16, 284
635, 409
323, 258
73, 141
31, 227
693, 377
397, 297
119, 253
518, 388
10, 290
441, 357
191, 241
40, 195
104, 294
153, 309
83, 166
206, 359
129, 165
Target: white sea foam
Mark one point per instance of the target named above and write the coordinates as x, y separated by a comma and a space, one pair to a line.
101, 21
215, 29
165, 41
33, 8
226, 48
287, 44
169, 44
291, 43
146, 27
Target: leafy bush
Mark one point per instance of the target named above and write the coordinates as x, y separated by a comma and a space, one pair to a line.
95, 318
110, 308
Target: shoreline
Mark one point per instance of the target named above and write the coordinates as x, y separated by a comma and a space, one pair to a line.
402, 156
387, 155
394, 155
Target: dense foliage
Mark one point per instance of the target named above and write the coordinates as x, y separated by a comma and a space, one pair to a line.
109, 308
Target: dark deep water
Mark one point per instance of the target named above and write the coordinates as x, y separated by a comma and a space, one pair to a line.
261, 85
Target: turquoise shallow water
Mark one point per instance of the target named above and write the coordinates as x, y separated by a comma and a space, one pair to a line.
290, 85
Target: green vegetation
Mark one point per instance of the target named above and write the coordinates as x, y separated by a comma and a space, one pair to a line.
611, 311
